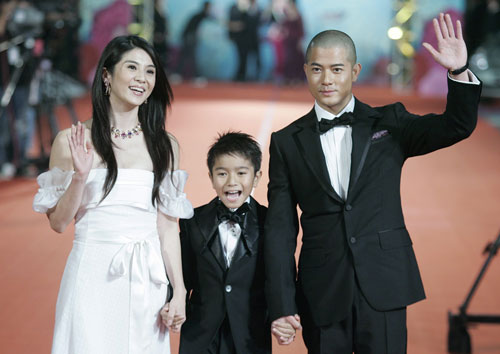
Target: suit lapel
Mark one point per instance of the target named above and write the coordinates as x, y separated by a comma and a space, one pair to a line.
247, 244
309, 144
208, 225
361, 140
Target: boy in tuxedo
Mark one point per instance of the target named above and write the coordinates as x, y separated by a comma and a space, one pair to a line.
222, 257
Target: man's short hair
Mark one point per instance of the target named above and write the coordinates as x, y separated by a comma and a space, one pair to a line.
330, 39
235, 143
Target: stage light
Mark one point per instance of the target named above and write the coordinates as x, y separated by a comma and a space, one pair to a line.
393, 69
405, 13
480, 60
135, 28
142, 18
403, 52
395, 33
406, 49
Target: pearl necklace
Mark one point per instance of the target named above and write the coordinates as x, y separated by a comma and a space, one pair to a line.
129, 133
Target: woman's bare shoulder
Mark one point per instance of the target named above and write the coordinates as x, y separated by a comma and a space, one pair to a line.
88, 124
60, 153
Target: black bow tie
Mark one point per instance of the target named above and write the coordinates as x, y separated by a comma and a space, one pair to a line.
237, 216
347, 118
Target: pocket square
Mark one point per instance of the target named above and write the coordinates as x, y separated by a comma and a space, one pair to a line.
380, 134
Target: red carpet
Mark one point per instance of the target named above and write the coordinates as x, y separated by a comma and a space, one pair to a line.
451, 200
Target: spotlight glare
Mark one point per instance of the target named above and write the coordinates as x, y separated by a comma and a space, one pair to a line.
406, 49
395, 33
482, 63
134, 28
393, 69
404, 14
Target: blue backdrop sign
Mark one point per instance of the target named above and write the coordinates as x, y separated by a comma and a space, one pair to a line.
365, 21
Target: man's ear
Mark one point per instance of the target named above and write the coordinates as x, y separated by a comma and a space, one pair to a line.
356, 69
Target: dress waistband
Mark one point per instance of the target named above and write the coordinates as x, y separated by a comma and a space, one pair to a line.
139, 259
117, 239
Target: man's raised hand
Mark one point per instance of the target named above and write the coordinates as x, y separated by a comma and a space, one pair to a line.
451, 51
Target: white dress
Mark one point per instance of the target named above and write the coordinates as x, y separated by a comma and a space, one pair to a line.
114, 283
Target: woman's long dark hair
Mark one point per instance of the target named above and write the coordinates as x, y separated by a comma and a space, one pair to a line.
152, 115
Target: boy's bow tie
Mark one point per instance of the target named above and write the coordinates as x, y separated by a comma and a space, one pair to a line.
237, 216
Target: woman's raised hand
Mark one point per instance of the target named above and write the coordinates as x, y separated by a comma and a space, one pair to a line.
82, 152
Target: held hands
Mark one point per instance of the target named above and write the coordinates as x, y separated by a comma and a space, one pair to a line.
82, 157
284, 329
173, 314
451, 51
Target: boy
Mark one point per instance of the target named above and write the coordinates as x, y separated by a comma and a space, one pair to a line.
222, 257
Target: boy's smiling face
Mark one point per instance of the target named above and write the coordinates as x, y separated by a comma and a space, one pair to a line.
233, 178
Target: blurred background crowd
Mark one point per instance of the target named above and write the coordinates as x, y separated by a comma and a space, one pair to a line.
49, 49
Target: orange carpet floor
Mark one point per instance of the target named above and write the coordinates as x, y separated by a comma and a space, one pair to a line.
451, 201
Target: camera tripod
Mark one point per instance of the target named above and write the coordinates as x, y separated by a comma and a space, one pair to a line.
459, 341
51, 88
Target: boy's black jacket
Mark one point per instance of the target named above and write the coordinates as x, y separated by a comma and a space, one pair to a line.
215, 291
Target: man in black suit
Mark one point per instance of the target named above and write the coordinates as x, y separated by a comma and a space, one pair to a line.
341, 164
222, 257
186, 64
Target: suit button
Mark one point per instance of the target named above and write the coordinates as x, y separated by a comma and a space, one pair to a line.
228, 288
348, 207
353, 239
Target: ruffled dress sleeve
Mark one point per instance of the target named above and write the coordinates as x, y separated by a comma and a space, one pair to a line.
173, 201
52, 185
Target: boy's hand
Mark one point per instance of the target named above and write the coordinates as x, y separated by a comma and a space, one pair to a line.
284, 329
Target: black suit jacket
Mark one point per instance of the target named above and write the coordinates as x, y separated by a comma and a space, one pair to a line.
217, 292
364, 236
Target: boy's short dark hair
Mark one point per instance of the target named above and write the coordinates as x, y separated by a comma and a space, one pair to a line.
235, 143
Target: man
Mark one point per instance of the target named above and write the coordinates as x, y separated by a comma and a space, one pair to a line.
238, 33
357, 270
17, 116
186, 65
253, 22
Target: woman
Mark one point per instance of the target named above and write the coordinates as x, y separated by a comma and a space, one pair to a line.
112, 174
293, 32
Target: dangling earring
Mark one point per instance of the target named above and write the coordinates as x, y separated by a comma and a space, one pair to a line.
146, 101
108, 88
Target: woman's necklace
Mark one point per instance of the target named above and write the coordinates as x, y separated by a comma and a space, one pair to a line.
129, 133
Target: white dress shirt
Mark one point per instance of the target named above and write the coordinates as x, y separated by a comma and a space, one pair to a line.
337, 147
337, 144
229, 234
